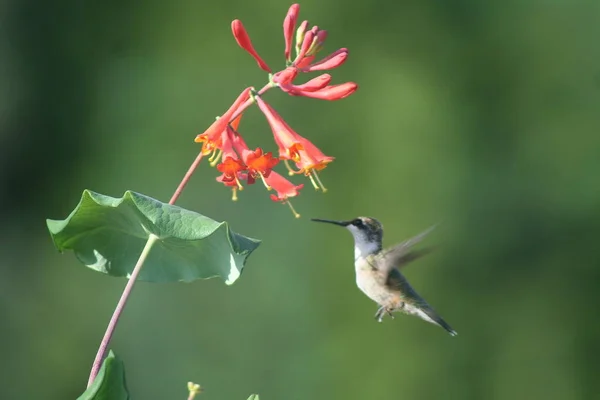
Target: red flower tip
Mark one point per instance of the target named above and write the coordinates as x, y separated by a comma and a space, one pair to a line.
331, 93
286, 76
306, 43
289, 24
243, 40
332, 61
318, 42
300, 35
284, 188
313, 85
212, 137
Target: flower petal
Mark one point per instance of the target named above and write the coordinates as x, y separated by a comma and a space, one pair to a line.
289, 24
282, 186
217, 127
286, 76
243, 40
331, 93
332, 61
313, 85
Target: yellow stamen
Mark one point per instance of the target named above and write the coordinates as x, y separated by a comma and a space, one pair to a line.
292, 208
289, 168
214, 159
234, 196
291, 171
213, 154
265, 182
240, 187
312, 179
314, 171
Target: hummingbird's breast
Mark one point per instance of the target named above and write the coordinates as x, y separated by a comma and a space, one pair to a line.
372, 282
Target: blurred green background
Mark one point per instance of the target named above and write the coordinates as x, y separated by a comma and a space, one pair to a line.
483, 115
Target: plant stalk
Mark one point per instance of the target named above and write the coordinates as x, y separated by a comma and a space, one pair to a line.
119, 309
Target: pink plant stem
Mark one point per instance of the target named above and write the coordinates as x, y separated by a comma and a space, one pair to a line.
112, 324
119, 309
248, 102
186, 179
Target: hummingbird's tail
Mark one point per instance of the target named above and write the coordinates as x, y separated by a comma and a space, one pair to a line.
429, 315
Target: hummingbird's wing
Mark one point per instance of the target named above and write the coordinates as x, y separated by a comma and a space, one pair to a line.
401, 254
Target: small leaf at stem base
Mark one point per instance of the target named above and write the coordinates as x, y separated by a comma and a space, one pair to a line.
109, 383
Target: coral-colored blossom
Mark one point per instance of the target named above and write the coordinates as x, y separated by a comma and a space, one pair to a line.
332, 61
243, 40
284, 188
307, 41
331, 93
286, 76
231, 167
286, 138
212, 137
313, 85
260, 163
228, 151
289, 24
308, 158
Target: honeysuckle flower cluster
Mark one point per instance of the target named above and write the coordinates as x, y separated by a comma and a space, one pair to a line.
222, 142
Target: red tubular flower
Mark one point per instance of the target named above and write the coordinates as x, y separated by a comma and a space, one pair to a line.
331, 93
308, 158
243, 40
311, 159
284, 188
286, 138
314, 84
211, 139
260, 163
286, 76
332, 61
231, 165
300, 35
257, 163
307, 41
289, 24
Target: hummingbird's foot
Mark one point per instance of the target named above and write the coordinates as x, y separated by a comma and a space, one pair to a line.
379, 314
389, 312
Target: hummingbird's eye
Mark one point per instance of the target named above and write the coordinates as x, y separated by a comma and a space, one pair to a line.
357, 222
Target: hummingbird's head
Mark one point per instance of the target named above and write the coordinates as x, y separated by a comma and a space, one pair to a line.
367, 232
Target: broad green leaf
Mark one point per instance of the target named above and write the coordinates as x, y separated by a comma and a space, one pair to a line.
108, 234
109, 384
253, 397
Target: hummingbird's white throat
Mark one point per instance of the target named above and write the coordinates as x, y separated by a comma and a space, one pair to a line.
362, 245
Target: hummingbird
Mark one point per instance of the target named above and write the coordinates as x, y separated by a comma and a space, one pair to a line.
377, 270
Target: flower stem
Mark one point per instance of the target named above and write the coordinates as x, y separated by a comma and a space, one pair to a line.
119, 309
186, 179
247, 103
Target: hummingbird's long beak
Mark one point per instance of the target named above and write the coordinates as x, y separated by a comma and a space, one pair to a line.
340, 223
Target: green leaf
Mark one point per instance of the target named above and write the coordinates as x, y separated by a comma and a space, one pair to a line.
109, 384
108, 234
253, 397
